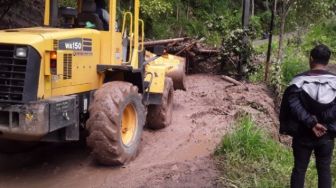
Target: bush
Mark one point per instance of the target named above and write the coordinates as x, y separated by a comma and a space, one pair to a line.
233, 46
295, 62
325, 33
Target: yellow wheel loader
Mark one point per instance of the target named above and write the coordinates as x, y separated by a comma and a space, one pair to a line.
86, 71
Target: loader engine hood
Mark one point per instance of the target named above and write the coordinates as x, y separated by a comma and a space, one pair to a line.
39, 36
21, 55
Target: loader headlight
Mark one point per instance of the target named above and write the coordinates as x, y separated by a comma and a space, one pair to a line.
21, 52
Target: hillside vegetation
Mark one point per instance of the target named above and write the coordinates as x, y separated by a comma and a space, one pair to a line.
249, 157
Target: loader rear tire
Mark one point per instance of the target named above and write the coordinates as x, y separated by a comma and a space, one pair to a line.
115, 125
160, 116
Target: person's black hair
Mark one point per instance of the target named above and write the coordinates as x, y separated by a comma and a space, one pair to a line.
101, 4
321, 54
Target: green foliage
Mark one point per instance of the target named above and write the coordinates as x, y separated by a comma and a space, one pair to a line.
252, 159
311, 11
296, 58
156, 8
295, 62
257, 26
234, 45
248, 157
223, 23
296, 55
200, 18
258, 75
214, 20
325, 33
67, 3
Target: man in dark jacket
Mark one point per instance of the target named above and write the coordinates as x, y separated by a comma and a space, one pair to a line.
308, 114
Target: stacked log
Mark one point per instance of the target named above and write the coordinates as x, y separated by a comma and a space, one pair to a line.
200, 57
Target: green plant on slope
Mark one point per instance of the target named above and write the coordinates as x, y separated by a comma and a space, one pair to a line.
234, 46
325, 33
248, 157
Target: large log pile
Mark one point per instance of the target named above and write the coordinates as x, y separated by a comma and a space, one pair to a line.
200, 57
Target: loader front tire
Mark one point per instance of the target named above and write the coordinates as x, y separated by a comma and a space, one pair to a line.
115, 125
160, 116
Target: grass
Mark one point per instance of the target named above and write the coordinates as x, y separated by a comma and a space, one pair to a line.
324, 32
249, 157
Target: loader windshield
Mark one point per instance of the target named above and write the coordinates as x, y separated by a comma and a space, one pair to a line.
122, 7
92, 14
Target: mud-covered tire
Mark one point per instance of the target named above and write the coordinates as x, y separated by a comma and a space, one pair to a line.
160, 116
105, 123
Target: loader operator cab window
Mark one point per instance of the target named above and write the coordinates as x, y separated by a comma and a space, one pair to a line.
102, 11
93, 15
122, 7
77, 14
67, 13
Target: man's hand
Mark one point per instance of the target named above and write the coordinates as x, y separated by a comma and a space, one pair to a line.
319, 130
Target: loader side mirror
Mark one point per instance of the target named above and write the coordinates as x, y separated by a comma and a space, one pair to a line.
159, 50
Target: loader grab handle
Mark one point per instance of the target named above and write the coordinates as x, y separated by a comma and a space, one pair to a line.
142, 23
129, 35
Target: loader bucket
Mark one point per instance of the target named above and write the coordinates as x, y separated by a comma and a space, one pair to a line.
178, 74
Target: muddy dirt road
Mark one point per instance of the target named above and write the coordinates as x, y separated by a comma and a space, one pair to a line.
178, 156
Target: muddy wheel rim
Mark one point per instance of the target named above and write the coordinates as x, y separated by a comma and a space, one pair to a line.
128, 125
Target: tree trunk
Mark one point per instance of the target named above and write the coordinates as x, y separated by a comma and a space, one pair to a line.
252, 7
286, 6
188, 7
270, 40
282, 33
267, 5
281, 37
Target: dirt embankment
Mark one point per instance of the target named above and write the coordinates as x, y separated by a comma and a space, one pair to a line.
21, 13
178, 156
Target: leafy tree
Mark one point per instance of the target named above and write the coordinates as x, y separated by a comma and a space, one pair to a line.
309, 12
155, 8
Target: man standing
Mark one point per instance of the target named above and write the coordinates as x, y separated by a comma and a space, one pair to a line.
308, 114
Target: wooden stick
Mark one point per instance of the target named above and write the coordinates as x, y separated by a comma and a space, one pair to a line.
231, 80
234, 82
208, 51
164, 42
188, 47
